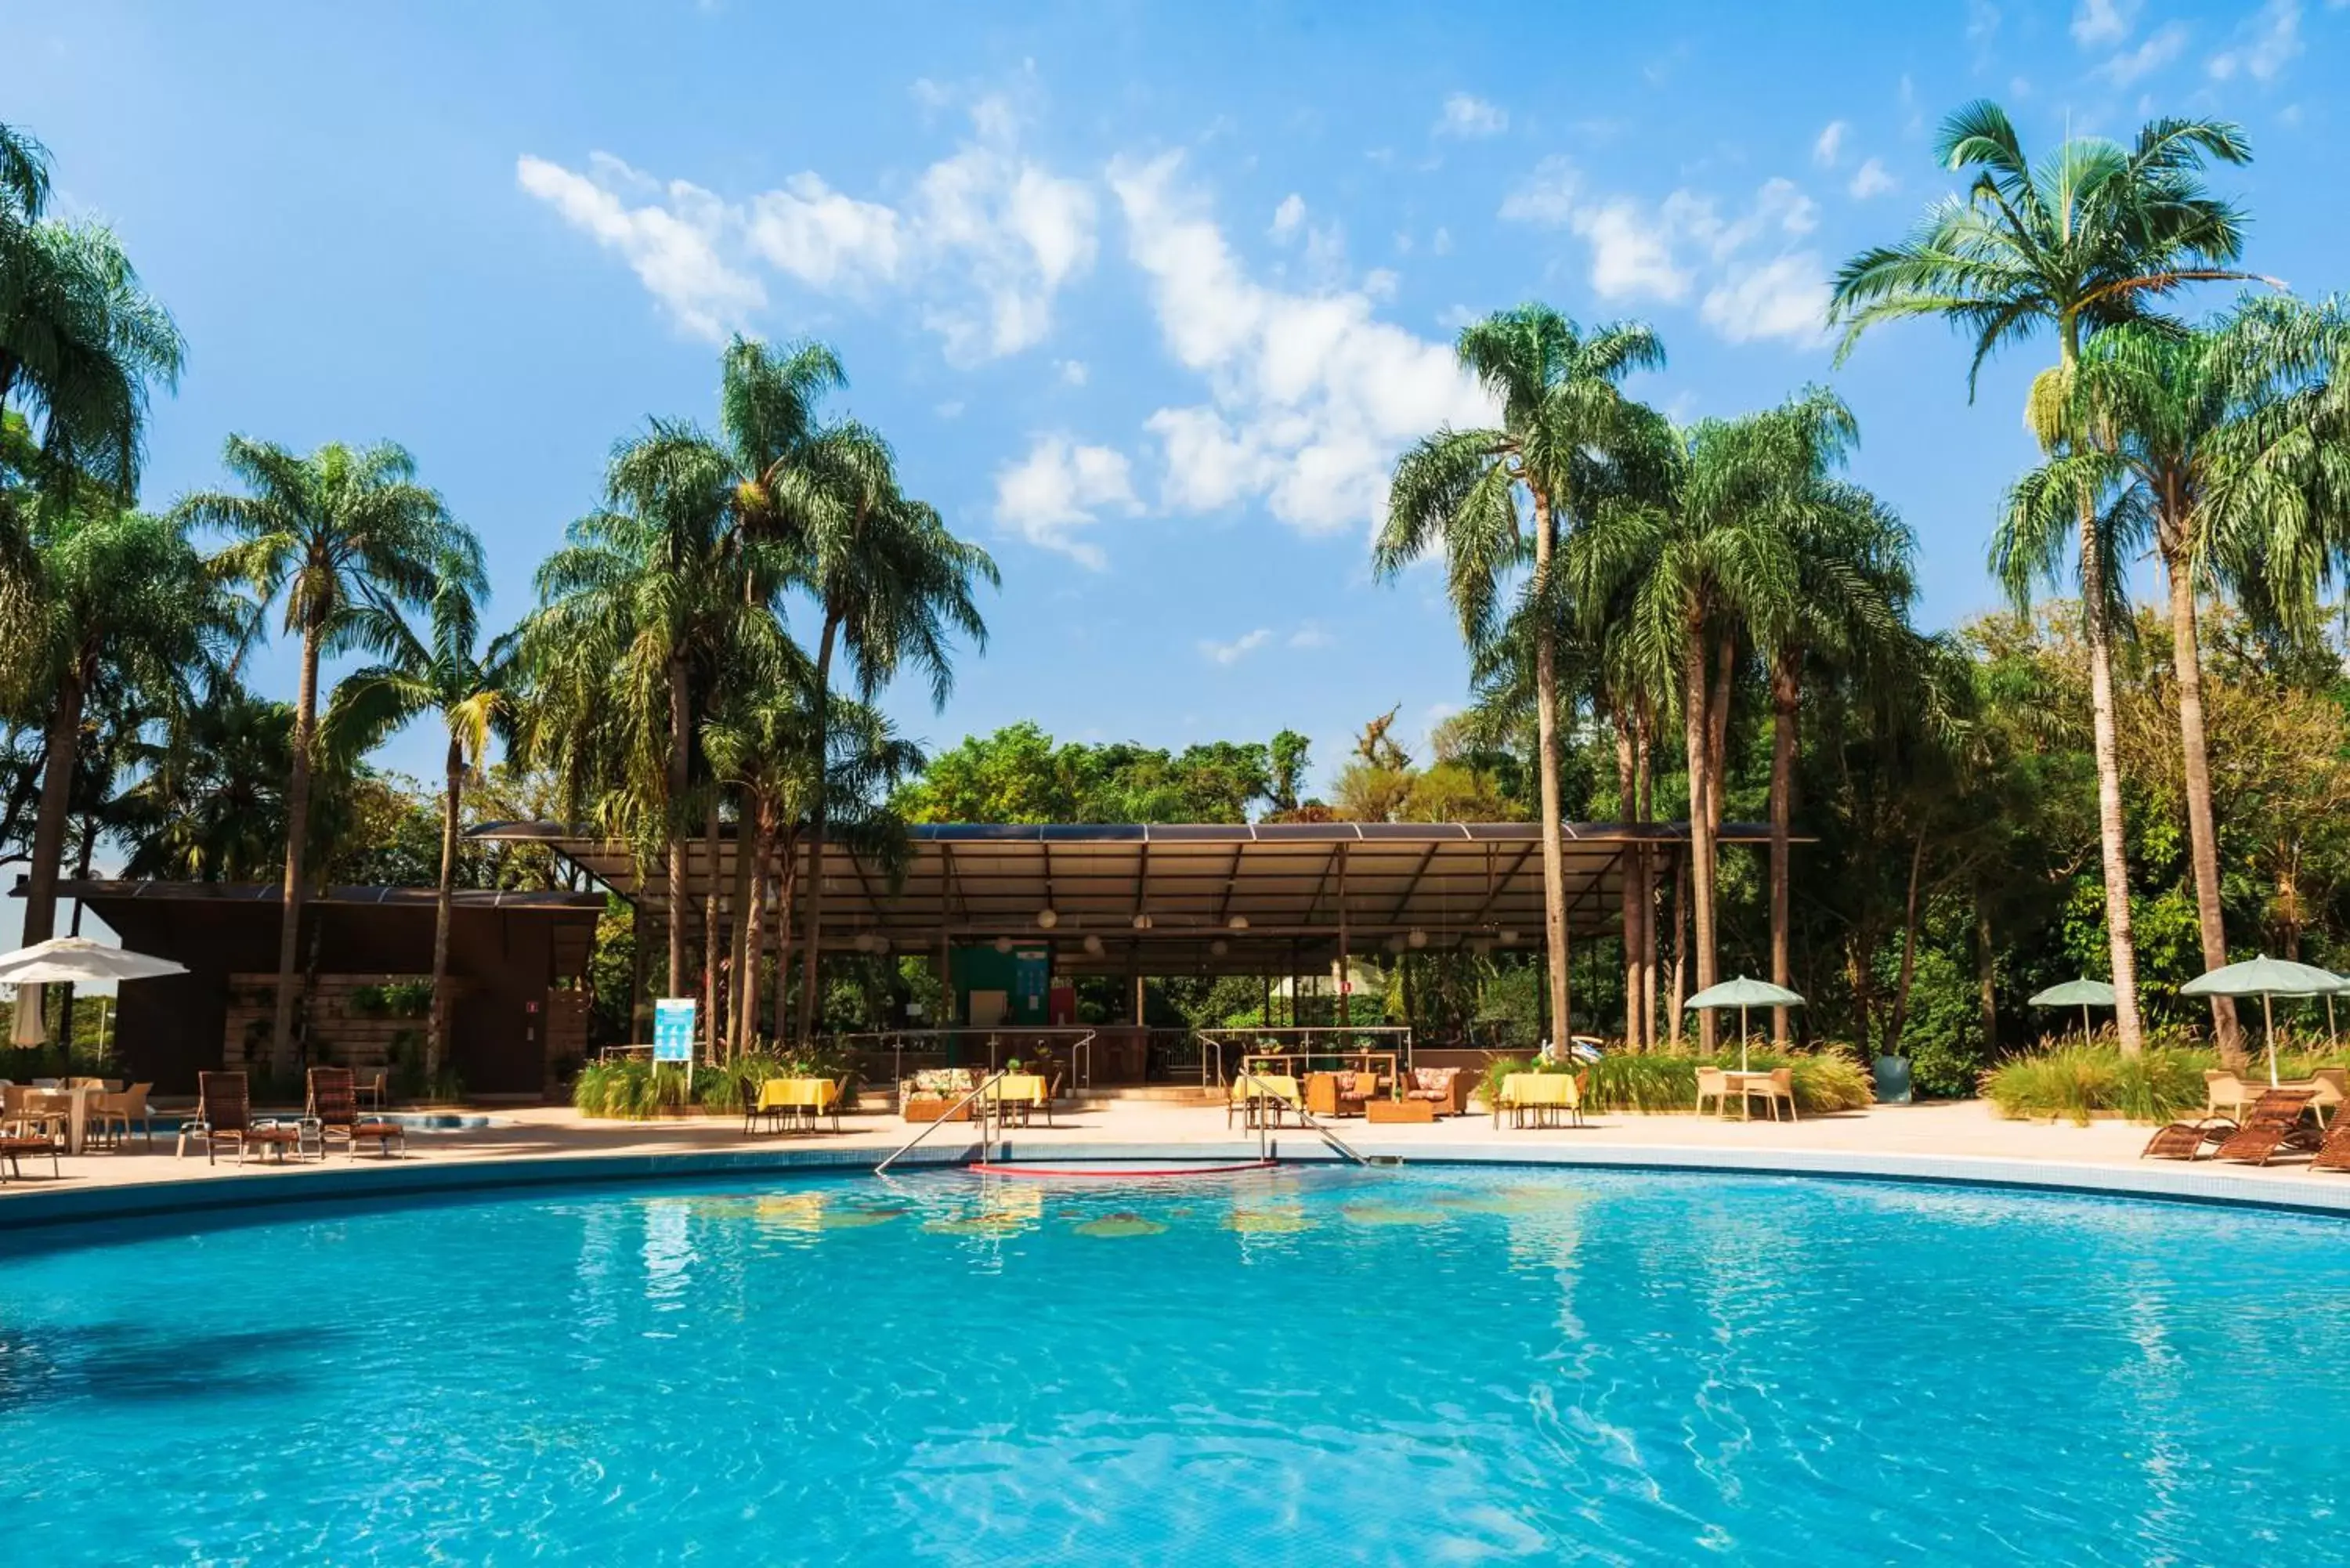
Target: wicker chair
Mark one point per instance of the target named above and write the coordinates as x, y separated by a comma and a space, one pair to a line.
333, 1111
2273, 1127
2334, 1152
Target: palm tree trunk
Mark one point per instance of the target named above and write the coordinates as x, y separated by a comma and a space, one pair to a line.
1673, 1009
1785, 690
812, 941
59, 760
1698, 739
713, 931
2111, 831
741, 994
1717, 729
787, 871
754, 933
1555, 936
1644, 812
1626, 787
436, 1030
2187, 658
1900, 1018
681, 756
1986, 973
297, 833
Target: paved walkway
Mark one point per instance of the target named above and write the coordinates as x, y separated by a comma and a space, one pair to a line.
1946, 1141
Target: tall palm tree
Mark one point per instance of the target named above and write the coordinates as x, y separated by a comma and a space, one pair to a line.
208, 804
1847, 608
2225, 446
1565, 422
1695, 570
895, 588
80, 339
2094, 235
446, 673
330, 534
121, 604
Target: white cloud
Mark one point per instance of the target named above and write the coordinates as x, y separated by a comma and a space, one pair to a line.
1830, 145
1545, 198
1631, 251
2159, 50
1466, 116
1060, 488
1441, 242
2098, 24
672, 240
1287, 217
1786, 298
2271, 38
989, 235
1240, 647
1310, 396
1310, 635
1072, 371
1871, 180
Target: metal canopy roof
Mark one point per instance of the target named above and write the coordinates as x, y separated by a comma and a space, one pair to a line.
1173, 899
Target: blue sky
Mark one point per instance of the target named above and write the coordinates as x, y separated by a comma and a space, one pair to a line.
1147, 297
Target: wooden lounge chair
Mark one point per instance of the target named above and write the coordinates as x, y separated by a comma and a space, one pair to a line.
2334, 1152
2273, 1125
334, 1112
224, 1111
2186, 1141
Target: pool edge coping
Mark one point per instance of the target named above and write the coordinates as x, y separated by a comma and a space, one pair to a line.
52, 1209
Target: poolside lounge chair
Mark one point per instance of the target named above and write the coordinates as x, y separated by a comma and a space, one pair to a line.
2275, 1115
2273, 1124
18, 1133
2334, 1152
224, 1111
334, 1112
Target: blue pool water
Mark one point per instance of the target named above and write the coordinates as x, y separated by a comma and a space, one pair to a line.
1412, 1367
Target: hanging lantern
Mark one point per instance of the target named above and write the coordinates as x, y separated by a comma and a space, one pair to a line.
1419, 939
1047, 918
1219, 947
1094, 945
1395, 944
1004, 944
1141, 922
1237, 923
1508, 938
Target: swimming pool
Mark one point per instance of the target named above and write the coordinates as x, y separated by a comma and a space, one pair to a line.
1396, 1367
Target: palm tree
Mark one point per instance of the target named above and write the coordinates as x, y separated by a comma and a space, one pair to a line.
895, 587
1565, 421
332, 533
2095, 235
80, 339
208, 804
1695, 570
448, 674
123, 614
2221, 444
1848, 607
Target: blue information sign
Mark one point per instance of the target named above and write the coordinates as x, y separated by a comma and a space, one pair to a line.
674, 1029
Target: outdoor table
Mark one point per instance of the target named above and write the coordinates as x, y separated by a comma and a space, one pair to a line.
1740, 1084
811, 1097
75, 1102
1022, 1092
1269, 1094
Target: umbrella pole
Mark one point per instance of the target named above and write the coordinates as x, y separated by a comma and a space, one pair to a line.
2268, 1017
1742, 1037
2085, 1023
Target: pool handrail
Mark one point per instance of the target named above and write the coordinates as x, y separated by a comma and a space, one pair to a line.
985, 1109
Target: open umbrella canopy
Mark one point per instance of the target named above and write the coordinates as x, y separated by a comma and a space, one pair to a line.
66, 961
2075, 994
1743, 992
2262, 976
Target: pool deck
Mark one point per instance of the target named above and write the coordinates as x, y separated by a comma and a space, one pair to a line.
1950, 1142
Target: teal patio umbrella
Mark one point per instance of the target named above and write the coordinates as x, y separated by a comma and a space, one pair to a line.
2265, 978
2081, 993
1743, 993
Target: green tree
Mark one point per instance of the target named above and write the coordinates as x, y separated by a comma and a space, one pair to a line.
445, 673
1565, 421
2095, 235
329, 534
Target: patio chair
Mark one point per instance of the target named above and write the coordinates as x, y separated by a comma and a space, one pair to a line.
2226, 1094
224, 1111
1713, 1083
33, 1113
333, 1111
1778, 1088
2273, 1125
2186, 1141
2332, 1086
112, 1114
1446, 1089
18, 1134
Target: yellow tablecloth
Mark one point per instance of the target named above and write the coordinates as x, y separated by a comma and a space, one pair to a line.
798, 1094
1539, 1089
1017, 1089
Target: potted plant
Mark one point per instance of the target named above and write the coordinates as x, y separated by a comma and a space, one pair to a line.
1892, 1074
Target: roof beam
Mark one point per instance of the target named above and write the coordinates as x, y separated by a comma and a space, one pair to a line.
1412, 886
1494, 896
1231, 885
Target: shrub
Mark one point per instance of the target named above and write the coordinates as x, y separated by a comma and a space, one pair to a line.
2161, 1084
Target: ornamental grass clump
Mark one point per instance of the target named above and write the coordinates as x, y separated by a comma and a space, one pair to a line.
2161, 1084
1652, 1082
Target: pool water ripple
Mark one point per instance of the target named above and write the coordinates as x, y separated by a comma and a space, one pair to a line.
1405, 1368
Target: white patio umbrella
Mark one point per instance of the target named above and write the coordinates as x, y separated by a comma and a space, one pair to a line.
1743, 993
69, 961
2265, 978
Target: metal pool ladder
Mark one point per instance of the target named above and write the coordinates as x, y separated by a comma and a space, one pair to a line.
1306, 1119
986, 1137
